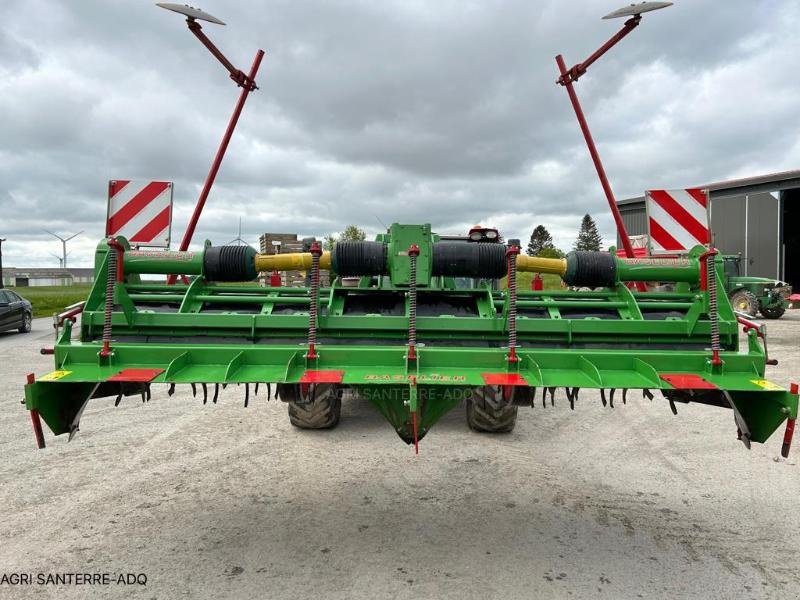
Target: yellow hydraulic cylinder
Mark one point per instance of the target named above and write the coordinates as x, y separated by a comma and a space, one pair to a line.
296, 261
535, 264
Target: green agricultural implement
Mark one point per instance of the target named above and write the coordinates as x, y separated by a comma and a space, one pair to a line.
751, 295
424, 329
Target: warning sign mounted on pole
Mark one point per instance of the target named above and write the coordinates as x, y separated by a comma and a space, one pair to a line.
141, 211
677, 220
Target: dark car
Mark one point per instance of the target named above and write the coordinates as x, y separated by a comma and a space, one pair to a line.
15, 312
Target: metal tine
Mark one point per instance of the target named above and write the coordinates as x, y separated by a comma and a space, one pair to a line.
143, 393
572, 394
118, 400
147, 388
533, 396
246, 394
552, 396
205, 392
647, 394
603, 396
216, 393
171, 389
672, 405
611, 398
255, 392
269, 391
194, 390
224, 385
624, 395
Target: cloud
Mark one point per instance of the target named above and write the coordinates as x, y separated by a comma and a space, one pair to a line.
370, 113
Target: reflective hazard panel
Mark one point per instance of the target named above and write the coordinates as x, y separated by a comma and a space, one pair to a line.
54, 375
767, 385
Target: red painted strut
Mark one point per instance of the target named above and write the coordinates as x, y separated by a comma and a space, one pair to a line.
787, 436
247, 87
36, 421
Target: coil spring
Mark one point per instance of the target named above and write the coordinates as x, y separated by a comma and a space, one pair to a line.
512, 300
412, 301
713, 315
312, 310
109, 304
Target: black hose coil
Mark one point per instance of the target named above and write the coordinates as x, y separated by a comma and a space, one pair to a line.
353, 259
469, 259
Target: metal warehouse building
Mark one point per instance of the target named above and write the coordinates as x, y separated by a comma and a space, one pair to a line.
758, 217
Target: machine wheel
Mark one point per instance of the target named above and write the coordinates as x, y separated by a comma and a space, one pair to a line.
772, 313
489, 412
26, 323
320, 411
745, 301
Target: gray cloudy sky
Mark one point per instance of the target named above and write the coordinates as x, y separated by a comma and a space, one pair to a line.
402, 110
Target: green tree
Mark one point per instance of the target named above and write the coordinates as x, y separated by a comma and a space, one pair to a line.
589, 237
540, 240
328, 241
551, 253
351, 233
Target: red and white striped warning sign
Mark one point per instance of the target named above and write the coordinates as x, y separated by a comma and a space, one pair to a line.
141, 211
677, 220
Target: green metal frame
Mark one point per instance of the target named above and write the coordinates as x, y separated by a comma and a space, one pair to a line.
216, 333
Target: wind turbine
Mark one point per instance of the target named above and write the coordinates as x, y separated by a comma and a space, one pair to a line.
238, 240
64, 245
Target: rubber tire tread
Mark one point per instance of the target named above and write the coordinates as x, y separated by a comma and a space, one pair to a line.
752, 301
488, 412
772, 313
323, 412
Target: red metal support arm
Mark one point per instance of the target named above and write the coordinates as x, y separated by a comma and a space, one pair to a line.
238, 76
579, 69
598, 165
223, 146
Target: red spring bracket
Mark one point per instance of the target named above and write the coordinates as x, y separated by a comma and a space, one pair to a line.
275, 279
120, 250
316, 252
787, 436
703, 258
511, 257
413, 254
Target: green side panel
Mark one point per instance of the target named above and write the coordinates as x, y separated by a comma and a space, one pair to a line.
58, 403
402, 236
765, 411
433, 403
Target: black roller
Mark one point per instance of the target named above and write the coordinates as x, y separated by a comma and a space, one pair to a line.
354, 259
229, 263
469, 259
591, 269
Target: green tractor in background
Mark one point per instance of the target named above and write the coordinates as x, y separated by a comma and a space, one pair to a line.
751, 295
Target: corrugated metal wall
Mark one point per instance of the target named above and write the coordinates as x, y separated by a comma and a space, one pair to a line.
746, 223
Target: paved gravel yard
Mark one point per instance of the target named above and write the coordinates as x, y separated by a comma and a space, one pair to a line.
222, 501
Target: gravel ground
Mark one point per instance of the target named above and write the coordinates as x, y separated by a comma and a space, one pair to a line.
226, 502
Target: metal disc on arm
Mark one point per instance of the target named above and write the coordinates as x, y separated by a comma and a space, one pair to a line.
637, 9
190, 11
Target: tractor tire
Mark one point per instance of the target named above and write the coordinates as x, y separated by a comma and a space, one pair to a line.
489, 412
744, 301
27, 322
321, 411
772, 313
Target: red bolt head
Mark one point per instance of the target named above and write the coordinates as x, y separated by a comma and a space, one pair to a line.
413, 250
512, 250
316, 249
